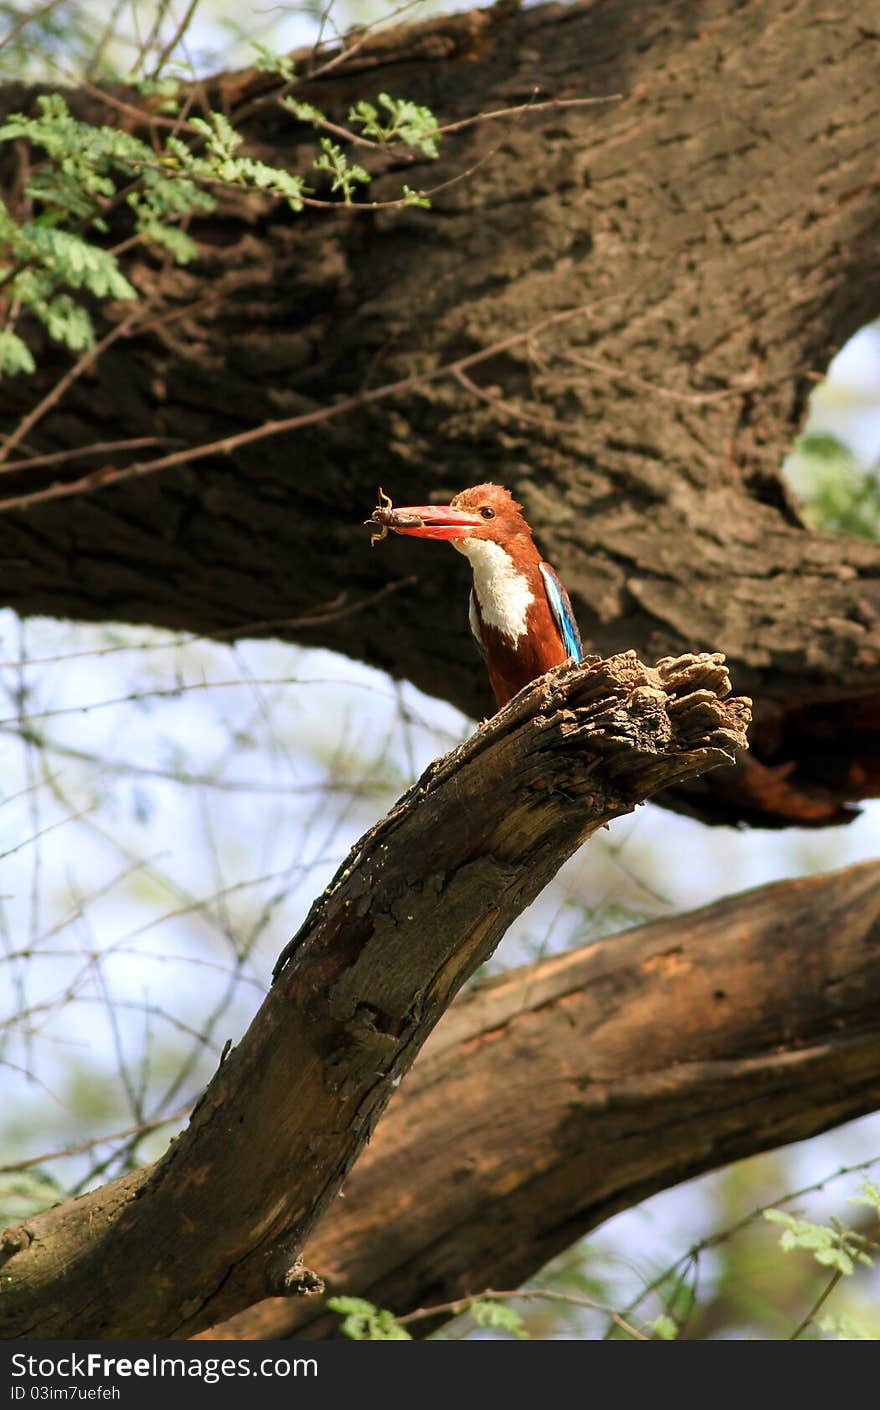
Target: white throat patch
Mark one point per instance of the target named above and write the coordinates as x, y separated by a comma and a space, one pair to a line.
503, 594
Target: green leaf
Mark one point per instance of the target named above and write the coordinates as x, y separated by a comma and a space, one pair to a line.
274, 179
832, 1246
844, 1329
306, 112
406, 122
836, 1258
488, 1312
77, 263
665, 1328
415, 198
221, 138
88, 166
82, 149
823, 445
346, 175
15, 355
363, 1321
69, 323
68, 192
170, 238
268, 61
838, 494
870, 1195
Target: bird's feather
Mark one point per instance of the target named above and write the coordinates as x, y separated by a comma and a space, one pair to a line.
563, 613
474, 619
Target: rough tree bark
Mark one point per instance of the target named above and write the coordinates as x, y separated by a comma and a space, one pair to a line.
576, 1086
687, 259
420, 903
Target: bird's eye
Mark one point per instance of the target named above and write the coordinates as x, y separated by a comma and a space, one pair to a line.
487, 513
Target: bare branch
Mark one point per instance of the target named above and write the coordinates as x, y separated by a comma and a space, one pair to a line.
421, 902
659, 1054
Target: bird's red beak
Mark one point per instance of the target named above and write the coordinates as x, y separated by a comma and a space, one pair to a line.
437, 521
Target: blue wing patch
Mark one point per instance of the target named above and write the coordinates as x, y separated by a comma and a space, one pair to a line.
560, 606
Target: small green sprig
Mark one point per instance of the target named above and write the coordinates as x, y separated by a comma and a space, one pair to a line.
53, 258
346, 175
832, 1245
402, 121
362, 1321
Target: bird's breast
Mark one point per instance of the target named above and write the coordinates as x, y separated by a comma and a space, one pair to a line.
503, 594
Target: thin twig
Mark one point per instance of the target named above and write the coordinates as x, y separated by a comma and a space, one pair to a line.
226, 444
335, 611
514, 112
462, 1304
25, 20
59, 457
175, 39
347, 51
723, 1235
126, 768
546, 105
162, 8
620, 374
820, 1301
73, 373
499, 403
169, 693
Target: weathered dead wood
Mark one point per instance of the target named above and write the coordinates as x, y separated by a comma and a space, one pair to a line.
565, 1091
419, 904
717, 231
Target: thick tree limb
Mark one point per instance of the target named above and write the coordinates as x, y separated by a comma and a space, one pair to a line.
421, 902
715, 234
563, 1092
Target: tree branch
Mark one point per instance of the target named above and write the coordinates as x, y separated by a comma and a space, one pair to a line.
421, 902
558, 1094
644, 435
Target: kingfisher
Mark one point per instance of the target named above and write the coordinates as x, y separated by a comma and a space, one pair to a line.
520, 613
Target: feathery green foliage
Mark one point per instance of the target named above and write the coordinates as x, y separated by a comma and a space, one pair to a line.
406, 122
346, 175
499, 1316
837, 492
362, 1321
15, 355
54, 257
832, 1245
